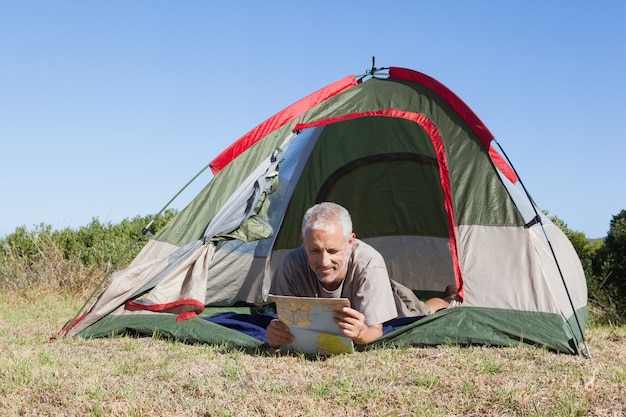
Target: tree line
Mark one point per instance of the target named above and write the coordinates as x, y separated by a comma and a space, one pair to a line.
74, 259
604, 263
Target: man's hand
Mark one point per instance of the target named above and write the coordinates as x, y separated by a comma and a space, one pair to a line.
352, 324
278, 334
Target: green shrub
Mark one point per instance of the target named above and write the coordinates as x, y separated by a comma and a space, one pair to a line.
68, 258
608, 281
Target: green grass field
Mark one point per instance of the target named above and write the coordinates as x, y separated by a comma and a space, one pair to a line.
124, 376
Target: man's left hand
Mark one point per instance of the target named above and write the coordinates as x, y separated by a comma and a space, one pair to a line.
352, 324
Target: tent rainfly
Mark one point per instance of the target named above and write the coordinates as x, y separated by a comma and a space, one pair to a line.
425, 186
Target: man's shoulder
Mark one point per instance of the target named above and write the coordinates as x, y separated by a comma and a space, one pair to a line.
295, 255
363, 252
297, 251
362, 247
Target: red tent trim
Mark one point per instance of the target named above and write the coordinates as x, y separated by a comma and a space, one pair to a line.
278, 120
435, 137
502, 165
69, 326
297, 109
468, 116
184, 308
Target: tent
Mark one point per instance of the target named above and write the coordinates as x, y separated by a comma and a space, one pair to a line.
425, 186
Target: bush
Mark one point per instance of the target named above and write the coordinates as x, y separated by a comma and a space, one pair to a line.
608, 281
71, 260
604, 264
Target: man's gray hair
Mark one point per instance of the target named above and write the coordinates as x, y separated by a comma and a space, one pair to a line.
323, 216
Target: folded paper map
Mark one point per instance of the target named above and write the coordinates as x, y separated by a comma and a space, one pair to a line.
310, 321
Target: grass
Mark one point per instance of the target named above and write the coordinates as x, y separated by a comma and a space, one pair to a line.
154, 377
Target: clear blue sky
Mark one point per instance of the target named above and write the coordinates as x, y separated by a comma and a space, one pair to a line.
107, 108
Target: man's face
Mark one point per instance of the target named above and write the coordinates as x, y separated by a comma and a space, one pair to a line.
327, 252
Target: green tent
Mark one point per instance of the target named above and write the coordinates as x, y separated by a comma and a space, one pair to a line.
417, 170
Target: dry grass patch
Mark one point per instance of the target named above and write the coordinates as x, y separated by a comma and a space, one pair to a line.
149, 377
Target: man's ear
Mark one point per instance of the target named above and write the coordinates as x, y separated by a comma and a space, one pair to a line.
351, 240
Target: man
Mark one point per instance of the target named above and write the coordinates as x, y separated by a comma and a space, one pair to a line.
332, 263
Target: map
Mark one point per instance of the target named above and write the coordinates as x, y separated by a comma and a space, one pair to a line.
310, 321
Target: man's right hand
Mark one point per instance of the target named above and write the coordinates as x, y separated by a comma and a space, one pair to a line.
278, 334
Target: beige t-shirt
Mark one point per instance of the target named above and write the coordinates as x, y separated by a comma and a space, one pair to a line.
366, 285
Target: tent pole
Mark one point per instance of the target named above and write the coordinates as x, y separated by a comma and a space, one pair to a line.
558, 266
145, 231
